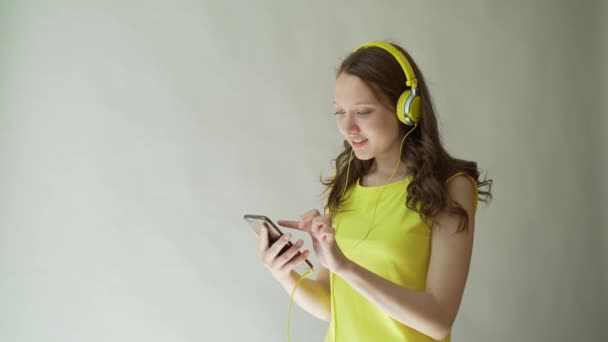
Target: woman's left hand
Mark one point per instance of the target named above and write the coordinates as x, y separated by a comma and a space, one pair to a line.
324, 243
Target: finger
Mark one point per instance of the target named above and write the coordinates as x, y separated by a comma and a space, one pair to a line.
263, 241
326, 219
285, 257
324, 233
276, 247
319, 222
305, 224
288, 224
292, 224
306, 219
296, 261
327, 234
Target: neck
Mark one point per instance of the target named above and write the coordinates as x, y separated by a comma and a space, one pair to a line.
384, 164
384, 168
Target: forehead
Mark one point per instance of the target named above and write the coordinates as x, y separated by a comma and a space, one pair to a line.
351, 89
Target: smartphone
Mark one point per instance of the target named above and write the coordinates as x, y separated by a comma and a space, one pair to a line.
274, 233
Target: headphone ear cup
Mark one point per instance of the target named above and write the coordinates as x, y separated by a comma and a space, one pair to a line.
401, 114
412, 116
414, 113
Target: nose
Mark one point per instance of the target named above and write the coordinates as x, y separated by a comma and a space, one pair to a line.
349, 124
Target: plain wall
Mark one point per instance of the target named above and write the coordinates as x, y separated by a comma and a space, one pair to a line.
601, 130
135, 135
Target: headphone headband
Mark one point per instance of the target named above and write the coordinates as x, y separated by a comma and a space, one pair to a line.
405, 65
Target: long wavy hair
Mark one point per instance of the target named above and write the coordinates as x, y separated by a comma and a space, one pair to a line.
431, 163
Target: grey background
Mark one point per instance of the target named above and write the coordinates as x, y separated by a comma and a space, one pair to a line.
135, 135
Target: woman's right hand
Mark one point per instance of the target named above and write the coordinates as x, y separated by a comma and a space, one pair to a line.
280, 266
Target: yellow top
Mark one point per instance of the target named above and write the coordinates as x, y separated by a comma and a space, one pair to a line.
397, 249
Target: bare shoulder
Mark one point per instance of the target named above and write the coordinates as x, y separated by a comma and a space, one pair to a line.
463, 189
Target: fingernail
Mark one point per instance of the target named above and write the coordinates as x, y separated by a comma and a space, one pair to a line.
287, 236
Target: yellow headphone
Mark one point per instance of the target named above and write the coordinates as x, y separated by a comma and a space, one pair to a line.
408, 105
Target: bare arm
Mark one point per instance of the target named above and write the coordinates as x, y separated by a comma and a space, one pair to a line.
312, 295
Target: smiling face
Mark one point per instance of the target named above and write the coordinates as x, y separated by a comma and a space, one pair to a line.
367, 122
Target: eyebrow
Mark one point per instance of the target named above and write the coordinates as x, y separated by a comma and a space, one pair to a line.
359, 103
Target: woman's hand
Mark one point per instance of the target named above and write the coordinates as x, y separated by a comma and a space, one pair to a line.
323, 235
280, 266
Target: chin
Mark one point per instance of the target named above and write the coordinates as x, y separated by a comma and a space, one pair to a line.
363, 156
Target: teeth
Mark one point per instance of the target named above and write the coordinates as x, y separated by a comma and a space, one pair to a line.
359, 141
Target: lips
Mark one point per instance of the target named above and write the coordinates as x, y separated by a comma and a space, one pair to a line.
358, 142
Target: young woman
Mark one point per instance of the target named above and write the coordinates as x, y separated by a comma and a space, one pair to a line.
395, 240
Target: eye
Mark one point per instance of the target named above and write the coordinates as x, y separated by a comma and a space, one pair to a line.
340, 112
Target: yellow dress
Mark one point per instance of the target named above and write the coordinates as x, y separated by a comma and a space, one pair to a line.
397, 248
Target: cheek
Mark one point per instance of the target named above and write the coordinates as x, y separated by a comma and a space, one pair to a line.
382, 133
341, 128
374, 129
